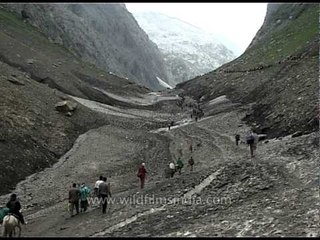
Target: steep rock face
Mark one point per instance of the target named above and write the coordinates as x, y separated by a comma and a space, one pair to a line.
278, 73
106, 35
188, 51
35, 76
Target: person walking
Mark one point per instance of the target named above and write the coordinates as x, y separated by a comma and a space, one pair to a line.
74, 197
142, 172
84, 193
172, 168
191, 163
252, 140
96, 186
104, 192
237, 137
179, 165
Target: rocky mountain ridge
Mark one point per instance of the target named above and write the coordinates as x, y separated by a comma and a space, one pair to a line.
106, 35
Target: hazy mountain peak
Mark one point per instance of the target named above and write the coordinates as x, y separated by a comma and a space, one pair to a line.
188, 50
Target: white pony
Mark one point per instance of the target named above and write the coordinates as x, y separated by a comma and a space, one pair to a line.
10, 223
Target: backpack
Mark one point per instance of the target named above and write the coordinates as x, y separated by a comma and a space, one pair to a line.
3, 212
250, 139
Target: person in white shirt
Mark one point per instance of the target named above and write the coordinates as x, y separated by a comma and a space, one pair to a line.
96, 186
172, 168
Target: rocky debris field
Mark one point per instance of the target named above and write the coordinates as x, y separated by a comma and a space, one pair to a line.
227, 194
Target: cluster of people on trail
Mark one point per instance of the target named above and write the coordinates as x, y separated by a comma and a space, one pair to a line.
78, 196
197, 113
177, 167
102, 192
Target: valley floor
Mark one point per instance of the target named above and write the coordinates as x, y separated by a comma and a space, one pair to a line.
276, 193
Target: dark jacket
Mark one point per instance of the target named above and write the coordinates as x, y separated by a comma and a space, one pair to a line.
142, 172
104, 189
14, 206
74, 195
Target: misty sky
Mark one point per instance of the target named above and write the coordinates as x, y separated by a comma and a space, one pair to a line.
234, 24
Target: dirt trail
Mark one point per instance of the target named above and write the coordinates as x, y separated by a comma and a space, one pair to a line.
117, 153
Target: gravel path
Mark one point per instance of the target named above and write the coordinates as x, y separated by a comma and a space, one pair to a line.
264, 196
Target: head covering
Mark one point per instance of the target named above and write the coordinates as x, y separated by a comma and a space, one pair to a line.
143, 164
13, 196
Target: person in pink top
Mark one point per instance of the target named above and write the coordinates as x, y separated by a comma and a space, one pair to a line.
142, 175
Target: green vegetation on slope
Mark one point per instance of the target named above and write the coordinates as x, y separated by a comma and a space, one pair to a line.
288, 38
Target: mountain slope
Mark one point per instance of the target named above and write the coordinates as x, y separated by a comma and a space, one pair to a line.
35, 75
106, 35
278, 72
188, 51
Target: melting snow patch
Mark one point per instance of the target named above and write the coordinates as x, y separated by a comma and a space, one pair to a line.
219, 100
164, 84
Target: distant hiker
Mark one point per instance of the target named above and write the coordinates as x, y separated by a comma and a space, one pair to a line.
14, 207
96, 186
196, 118
142, 175
104, 192
179, 165
172, 123
237, 137
252, 140
172, 168
169, 127
190, 147
74, 196
191, 163
84, 193
201, 113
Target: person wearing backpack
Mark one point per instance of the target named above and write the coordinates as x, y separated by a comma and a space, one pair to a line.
84, 193
179, 165
251, 141
3, 212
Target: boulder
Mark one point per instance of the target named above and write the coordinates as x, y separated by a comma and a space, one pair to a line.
66, 106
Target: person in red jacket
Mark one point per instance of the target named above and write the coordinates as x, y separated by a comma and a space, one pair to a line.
142, 174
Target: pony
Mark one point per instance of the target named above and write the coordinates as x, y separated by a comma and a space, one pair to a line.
10, 223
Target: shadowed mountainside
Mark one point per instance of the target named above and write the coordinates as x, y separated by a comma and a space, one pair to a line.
107, 35
278, 73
